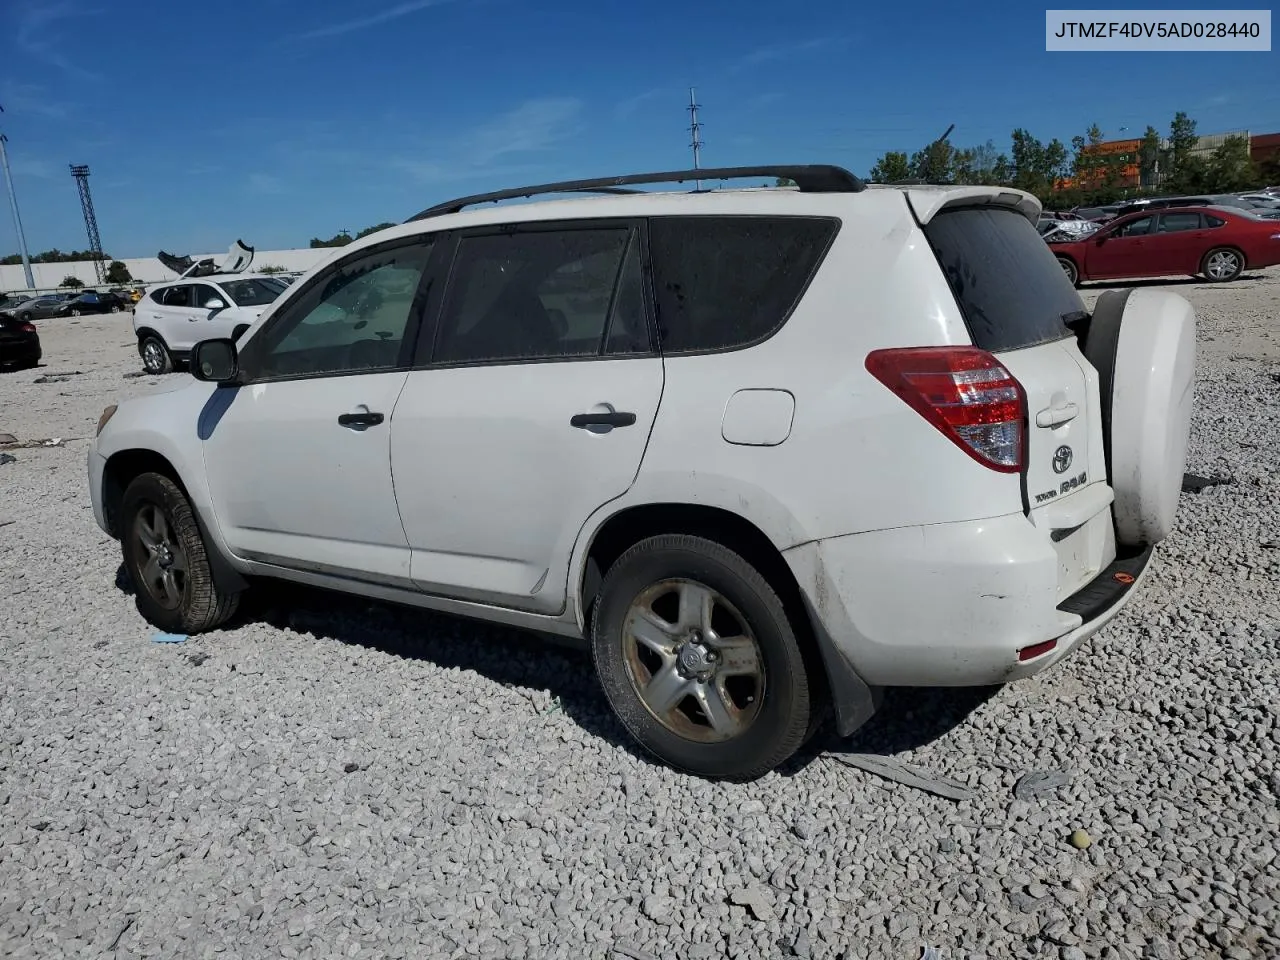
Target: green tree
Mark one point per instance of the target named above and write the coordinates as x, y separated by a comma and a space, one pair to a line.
340, 239
892, 167
118, 273
1187, 170
74, 282
1230, 167
382, 226
1150, 161
935, 163
272, 268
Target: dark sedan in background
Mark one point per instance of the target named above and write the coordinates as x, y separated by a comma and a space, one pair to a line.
90, 303
19, 343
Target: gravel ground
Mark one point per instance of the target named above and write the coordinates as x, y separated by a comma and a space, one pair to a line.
331, 778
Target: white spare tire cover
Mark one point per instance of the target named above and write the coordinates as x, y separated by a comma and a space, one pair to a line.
1143, 345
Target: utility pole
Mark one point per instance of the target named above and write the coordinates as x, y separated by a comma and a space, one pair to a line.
17, 220
695, 129
81, 173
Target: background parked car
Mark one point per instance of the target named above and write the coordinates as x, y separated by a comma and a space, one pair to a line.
1216, 242
38, 308
19, 343
91, 303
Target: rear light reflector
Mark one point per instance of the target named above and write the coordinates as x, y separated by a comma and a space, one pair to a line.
1036, 649
966, 393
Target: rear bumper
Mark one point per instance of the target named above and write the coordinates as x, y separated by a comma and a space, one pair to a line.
952, 605
20, 351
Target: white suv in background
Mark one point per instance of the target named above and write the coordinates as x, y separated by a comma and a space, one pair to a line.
770, 451
171, 318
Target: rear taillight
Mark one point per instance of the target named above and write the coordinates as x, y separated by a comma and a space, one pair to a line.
964, 392
27, 327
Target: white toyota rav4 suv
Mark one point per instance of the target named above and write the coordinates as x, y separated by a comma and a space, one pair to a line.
770, 451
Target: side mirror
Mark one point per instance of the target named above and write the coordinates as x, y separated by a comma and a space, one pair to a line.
215, 304
215, 361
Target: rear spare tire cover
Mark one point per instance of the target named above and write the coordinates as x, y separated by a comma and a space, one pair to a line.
1143, 345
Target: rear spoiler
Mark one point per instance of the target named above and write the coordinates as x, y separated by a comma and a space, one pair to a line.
926, 202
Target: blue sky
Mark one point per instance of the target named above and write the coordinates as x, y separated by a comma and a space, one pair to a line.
279, 120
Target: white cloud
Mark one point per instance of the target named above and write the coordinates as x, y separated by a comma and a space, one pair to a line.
32, 99
347, 26
33, 34
532, 126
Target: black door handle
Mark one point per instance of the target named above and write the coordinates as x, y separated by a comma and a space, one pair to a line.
359, 419
602, 420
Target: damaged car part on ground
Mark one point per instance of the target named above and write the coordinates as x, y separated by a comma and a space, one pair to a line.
680, 425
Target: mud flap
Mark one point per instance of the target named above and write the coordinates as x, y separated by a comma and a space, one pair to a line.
852, 699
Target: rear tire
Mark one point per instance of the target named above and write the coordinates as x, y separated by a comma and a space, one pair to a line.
155, 355
1222, 265
699, 660
1069, 268
166, 559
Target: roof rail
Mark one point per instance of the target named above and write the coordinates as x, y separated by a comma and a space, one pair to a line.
810, 178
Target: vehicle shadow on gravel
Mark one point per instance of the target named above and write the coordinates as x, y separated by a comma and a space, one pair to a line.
505, 655
908, 718
1090, 286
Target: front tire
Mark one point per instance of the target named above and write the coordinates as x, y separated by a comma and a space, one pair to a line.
1222, 264
699, 660
155, 355
166, 559
75, 313
1069, 268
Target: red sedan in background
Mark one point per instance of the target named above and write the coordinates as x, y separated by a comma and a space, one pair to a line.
1216, 242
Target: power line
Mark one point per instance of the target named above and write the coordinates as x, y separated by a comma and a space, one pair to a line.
695, 130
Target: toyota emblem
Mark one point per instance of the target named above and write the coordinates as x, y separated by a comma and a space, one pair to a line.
1062, 459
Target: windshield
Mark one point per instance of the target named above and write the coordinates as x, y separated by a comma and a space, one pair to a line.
256, 292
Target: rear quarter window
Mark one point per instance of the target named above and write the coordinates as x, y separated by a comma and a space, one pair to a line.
722, 283
1005, 279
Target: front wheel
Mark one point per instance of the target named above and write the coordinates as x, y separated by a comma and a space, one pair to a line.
698, 659
115, 309
155, 356
1069, 268
1222, 264
75, 313
166, 559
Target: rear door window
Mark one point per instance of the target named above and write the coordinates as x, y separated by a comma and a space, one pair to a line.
727, 282
1178, 222
1006, 280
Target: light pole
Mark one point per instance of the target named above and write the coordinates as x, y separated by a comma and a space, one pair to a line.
13, 205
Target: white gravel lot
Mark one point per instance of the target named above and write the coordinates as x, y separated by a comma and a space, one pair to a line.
334, 778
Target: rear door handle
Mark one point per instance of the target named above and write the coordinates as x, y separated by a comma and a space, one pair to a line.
1057, 416
363, 419
584, 420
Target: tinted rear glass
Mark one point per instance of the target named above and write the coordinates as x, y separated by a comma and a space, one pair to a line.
1005, 278
725, 282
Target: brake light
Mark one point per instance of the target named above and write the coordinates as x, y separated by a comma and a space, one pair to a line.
27, 327
966, 393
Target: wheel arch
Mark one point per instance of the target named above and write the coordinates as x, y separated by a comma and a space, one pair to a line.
852, 699
144, 332
122, 467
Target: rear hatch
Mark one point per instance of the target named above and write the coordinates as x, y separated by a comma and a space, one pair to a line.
1018, 305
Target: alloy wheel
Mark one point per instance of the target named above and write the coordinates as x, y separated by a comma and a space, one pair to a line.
693, 661
162, 562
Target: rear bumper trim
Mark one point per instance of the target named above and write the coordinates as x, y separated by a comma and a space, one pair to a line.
1109, 587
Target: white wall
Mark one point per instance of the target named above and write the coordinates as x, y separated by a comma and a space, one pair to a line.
148, 269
